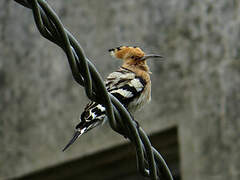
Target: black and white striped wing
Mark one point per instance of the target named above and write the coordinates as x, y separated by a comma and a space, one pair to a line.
125, 86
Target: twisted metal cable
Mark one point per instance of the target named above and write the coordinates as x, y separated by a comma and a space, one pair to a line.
149, 162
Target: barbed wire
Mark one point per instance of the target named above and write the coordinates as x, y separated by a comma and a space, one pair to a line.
149, 162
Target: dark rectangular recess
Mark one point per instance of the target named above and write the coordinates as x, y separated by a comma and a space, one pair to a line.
116, 163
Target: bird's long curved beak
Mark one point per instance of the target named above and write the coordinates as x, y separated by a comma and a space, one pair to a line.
147, 56
75, 136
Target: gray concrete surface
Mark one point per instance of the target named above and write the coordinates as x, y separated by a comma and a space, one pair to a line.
196, 89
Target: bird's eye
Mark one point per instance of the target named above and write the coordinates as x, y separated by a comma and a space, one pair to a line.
135, 57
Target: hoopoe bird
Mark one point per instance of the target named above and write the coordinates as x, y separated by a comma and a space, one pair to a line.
130, 84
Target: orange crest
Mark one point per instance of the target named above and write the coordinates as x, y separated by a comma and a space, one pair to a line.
125, 52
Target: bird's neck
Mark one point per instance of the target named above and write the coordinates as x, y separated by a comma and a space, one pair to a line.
136, 66
140, 68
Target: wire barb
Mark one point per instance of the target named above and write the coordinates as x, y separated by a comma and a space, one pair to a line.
149, 162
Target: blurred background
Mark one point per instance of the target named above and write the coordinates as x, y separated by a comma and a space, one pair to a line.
193, 118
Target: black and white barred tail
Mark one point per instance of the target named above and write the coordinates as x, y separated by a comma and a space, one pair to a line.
93, 115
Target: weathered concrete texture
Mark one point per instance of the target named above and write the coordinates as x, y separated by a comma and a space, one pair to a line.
212, 30
197, 88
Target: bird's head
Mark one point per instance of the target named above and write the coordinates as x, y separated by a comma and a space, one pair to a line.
133, 54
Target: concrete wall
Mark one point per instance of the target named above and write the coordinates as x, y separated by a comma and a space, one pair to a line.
196, 89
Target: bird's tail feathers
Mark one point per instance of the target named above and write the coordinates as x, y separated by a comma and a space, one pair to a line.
76, 134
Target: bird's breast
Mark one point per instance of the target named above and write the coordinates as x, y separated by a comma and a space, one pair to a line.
140, 101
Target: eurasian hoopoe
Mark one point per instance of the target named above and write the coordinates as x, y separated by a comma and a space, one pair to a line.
130, 84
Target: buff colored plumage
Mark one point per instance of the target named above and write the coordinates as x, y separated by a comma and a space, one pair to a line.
130, 84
